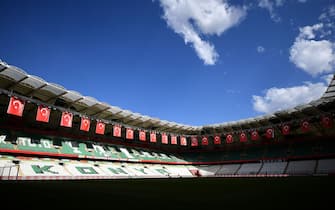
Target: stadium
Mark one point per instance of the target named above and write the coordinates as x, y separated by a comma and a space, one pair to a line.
51, 133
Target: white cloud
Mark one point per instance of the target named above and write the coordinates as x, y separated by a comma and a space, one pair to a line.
260, 49
302, 1
328, 14
276, 99
270, 5
308, 32
193, 18
313, 56
328, 78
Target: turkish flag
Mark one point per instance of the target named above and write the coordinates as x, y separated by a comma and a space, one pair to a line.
164, 138
269, 133
217, 139
254, 135
85, 124
243, 137
285, 129
117, 130
194, 141
100, 128
66, 120
43, 114
173, 139
129, 133
229, 139
305, 126
204, 140
183, 141
327, 121
15, 106
142, 135
153, 137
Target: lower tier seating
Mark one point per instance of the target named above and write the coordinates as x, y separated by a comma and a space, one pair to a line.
47, 168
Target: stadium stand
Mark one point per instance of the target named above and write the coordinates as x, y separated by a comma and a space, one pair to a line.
31, 149
228, 169
273, 167
326, 166
249, 168
301, 167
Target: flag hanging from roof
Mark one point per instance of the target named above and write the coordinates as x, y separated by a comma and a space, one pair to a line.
173, 139
164, 138
129, 133
141, 135
15, 106
66, 120
153, 137
204, 140
327, 121
229, 139
100, 128
117, 130
85, 124
217, 139
43, 114
243, 137
254, 135
194, 141
285, 129
305, 126
183, 141
270, 133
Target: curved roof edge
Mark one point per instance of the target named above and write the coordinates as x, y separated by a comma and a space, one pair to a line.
15, 79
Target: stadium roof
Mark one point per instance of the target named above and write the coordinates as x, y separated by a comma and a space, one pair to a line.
15, 80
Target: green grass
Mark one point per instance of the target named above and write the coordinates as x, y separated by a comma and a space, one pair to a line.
211, 193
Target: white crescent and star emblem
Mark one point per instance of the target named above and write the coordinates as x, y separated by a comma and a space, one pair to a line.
44, 111
17, 104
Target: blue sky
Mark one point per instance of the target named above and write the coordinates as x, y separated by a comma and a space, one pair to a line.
192, 62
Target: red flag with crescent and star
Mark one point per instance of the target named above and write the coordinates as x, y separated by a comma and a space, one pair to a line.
305, 126
100, 128
183, 141
66, 120
229, 139
153, 137
43, 114
141, 135
85, 124
217, 139
15, 106
254, 135
285, 129
243, 137
129, 133
117, 130
194, 141
164, 138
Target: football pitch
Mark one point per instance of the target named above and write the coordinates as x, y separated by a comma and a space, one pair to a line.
179, 193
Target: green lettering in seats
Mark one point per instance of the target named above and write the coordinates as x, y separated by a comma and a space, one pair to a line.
86, 170
140, 170
44, 169
162, 171
117, 170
